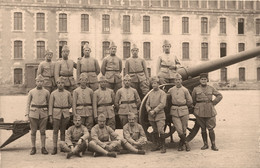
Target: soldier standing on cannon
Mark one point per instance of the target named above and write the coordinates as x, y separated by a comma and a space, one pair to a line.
180, 99
37, 112
111, 68
136, 68
90, 66
204, 109
155, 104
167, 65
46, 69
59, 105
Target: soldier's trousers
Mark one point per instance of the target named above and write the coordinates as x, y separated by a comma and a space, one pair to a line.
88, 121
143, 86
141, 140
181, 123
124, 118
206, 122
111, 122
158, 126
165, 80
59, 125
38, 123
114, 86
93, 146
77, 148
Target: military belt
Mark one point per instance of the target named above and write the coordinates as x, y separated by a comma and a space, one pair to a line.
87, 71
111, 70
136, 72
48, 76
62, 107
128, 102
66, 75
179, 105
39, 106
84, 104
165, 66
208, 101
105, 104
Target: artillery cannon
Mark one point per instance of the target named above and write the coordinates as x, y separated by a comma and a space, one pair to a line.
190, 78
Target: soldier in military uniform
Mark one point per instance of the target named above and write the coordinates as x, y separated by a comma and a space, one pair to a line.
82, 102
37, 113
59, 105
155, 104
205, 109
89, 66
46, 69
104, 140
103, 101
134, 133
127, 101
64, 68
111, 68
180, 99
167, 65
136, 68
76, 140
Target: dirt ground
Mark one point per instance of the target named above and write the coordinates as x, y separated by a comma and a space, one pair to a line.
237, 137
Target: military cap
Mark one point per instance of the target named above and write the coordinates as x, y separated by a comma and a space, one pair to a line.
65, 47
131, 115
134, 47
83, 76
166, 42
204, 75
127, 77
154, 79
86, 46
60, 79
39, 78
76, 117
102, 78
101, 117
178, 76
48, 51
112, 45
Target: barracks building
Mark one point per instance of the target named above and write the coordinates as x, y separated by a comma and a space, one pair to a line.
198, 30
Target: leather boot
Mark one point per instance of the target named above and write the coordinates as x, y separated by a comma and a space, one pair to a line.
33, 151
111, 154
141, 152
186, 143
44, 151
212, 139
156, 142
162, 140
205, 141
54, 152
69, 155
180, 146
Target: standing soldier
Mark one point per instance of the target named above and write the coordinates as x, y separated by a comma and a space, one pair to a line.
103, 101
89, 66
155, 104
59, 105
127, 101
136, 68
76, 141
111, 68
205, 111
167, 65
46, 69
82, 102
180, 99
64, 68
37, 113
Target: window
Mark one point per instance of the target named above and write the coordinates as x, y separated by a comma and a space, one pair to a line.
61, 44
105, 2
105, 48
18, 49
40, 0
184, 3
222, 4
223, 49
258, 73
204, 51
82, 45
204, 4
18, 21
166, 25
185, 51
222, 23
149, 72
84, 22
241, 47
223, 74
146, 24
147, 50
242, 74
40, 49
126, 49
204, 25
240, 26
240, 4
257, 26
106, 23
165, 3
185, 25
258, 44
18, 76
63, 22
40, 21
126, 23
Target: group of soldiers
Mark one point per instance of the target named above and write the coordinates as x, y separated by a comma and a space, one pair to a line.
97, 101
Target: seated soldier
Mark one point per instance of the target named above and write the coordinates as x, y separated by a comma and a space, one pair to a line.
76, 141
104, 139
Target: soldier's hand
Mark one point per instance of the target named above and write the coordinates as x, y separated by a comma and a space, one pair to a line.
72, 148
152, 112
108, 147
79, 141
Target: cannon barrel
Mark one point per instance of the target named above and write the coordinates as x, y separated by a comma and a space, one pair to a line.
218, 63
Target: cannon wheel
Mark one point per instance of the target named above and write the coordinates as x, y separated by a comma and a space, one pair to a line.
193, 126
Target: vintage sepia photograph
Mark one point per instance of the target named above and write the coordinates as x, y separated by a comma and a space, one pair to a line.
129, 83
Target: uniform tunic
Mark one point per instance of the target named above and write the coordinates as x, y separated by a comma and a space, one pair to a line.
111, 69
166, 66
134, 134
73, 134
136, 68
65, 68
46, 69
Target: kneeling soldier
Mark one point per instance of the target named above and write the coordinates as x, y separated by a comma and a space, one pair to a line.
76, 140
37, 112
180, 99
104, 139
155, 104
